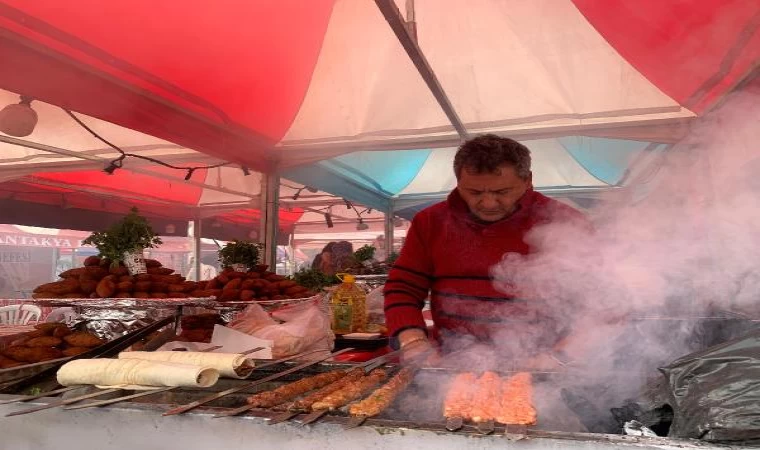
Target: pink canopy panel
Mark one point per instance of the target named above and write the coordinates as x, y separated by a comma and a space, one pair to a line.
91, 199
273, 83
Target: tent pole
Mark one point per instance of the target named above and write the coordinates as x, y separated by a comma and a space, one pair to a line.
292, 254
389, 232
196, 227
270, 205
402, 30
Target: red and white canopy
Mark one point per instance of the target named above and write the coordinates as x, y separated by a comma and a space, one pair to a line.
282, 82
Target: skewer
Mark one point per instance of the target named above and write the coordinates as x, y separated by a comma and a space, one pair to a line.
120, 399
62, 402
289, 358
203, 401
486, 427
248, 352
314, 416
515, 432
354, 421
454, 423
150, 392
283, 417
27, 398
368, 367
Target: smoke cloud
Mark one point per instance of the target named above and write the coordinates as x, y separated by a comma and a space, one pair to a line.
679, 246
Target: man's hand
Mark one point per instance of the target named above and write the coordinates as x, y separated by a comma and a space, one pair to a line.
421, 353
416, 348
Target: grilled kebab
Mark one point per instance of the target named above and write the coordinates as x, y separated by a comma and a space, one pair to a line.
291, 390
382, 397
351, 391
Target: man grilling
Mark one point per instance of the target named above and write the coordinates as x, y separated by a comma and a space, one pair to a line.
452, 246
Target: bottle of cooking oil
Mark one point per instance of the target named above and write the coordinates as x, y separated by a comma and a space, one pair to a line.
349, 306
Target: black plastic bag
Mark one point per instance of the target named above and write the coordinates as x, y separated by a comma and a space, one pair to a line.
716, 392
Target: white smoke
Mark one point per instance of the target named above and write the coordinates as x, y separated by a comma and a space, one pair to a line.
689, 249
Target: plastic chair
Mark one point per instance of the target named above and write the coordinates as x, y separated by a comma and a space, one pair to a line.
19, 314
62, 315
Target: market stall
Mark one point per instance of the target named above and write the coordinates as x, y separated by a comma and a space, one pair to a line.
601, 91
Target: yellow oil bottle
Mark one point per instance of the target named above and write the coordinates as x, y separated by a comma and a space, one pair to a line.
349, 306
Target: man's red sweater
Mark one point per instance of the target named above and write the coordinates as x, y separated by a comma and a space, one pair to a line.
448, 254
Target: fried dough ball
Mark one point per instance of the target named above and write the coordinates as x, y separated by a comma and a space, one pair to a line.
62, 331
7, 363
44, 341
83, 339
17, 353
74, 351
38, 354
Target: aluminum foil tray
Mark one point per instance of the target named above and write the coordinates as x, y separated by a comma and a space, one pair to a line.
116, 303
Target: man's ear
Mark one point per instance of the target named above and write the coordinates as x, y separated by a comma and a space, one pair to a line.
530, 179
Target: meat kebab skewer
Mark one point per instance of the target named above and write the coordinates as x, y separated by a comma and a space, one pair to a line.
383, 396
516, 406
303, 404
306, 402
486, 403
351, 391
458, 402
347, 393
292, 390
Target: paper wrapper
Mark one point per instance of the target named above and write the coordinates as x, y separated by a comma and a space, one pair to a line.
135, 262
135, 374
235, 341
228, 364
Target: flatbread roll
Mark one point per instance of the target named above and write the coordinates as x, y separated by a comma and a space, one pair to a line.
135, 374
228, 364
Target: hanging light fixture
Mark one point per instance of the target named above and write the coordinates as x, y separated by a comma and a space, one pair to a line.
20, 119
361, 226
397, 222
328, 220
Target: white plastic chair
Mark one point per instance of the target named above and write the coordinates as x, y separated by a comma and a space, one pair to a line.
62, 315
19, 314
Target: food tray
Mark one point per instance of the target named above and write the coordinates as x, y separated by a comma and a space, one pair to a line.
268, 305
20, 377
116, 303
27, 370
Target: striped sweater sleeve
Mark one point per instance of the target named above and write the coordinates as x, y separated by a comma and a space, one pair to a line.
409, 281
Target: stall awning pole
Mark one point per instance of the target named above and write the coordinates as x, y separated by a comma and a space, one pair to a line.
270, 205
389, 216
195, 233
408, 40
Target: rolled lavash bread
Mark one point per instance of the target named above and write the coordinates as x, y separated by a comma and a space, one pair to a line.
135, 374
228, 364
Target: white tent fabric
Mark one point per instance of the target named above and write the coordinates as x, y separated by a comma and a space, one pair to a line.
58, 144
76, 147
517, 67
552, 166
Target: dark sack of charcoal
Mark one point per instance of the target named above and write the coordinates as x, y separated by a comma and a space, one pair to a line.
715, 393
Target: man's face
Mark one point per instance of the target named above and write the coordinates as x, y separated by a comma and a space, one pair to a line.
492, 196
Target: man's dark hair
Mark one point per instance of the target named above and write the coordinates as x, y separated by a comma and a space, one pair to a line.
484, 154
